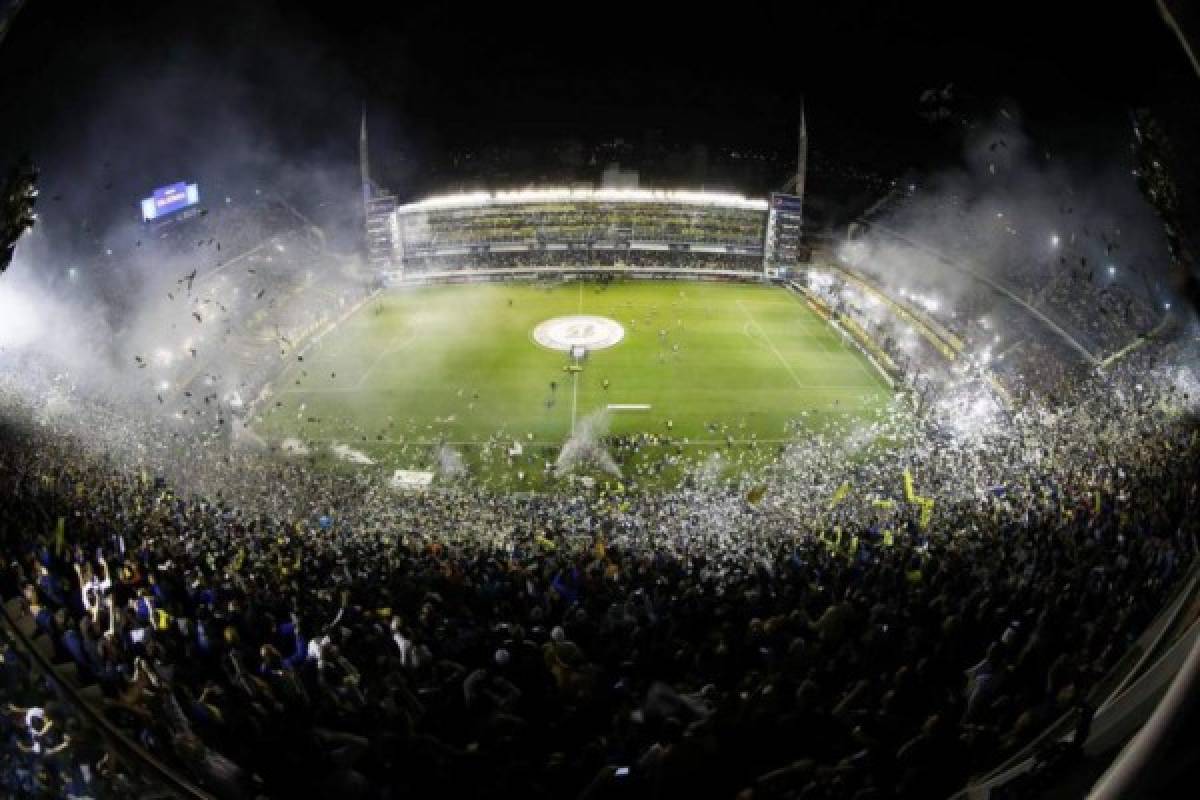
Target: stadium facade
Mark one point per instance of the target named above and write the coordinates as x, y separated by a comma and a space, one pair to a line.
578, 228
602, 228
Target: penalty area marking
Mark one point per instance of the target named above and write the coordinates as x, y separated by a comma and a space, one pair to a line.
629, 406
770, 344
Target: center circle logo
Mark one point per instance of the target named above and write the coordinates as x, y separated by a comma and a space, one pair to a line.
563, 333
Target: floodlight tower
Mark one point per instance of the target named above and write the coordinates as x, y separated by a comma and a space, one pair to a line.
364, 167
801, 155
795, 184
783, 243
379, 209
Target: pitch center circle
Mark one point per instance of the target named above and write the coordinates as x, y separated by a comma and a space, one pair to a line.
563, 333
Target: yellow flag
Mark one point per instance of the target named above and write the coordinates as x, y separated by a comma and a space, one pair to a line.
925, 503
926, 511
839, 494
60, 533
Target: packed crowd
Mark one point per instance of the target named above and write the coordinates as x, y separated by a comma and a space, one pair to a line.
818, 630
267, 628
681, 261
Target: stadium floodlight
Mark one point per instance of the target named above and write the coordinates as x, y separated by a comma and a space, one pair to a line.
1166, 306
1054, 240
522, 196
1111, 270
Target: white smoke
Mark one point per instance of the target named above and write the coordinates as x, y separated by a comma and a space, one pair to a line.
708, 472
450, 462
347, 453
585, 447
293, 446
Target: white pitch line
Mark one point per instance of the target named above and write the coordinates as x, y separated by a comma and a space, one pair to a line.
546, 442
574, 398
397, 345
858, 357
815, 329
575, 375
771, 345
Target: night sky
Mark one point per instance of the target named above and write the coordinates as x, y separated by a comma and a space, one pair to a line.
133, 94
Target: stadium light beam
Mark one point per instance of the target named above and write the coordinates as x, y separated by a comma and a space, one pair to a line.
519, 196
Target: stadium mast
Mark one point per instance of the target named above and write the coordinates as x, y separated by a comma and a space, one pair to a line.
795, 184
378, 209
802, 155
364, 166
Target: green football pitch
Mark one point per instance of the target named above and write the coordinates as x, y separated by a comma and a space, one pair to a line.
702, 368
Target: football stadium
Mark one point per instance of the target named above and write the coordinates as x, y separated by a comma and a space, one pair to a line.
486, 346
441, 404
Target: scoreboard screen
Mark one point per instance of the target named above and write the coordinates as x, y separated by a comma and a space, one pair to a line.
169, 199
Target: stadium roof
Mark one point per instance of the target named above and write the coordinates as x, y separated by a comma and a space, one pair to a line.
479, 199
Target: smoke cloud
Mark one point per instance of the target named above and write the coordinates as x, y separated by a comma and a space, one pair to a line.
244, 105
1067, 233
